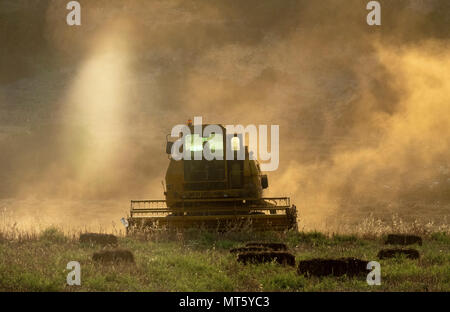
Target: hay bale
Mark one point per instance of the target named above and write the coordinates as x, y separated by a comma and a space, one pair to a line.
248, 249
272, 246
280, 257
402, 239
335, 267
395, 252
115, 255
96, 238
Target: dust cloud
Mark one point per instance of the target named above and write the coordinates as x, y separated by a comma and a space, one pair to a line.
363, 111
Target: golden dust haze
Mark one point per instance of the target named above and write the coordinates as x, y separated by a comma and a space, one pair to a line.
363, 111
95, 108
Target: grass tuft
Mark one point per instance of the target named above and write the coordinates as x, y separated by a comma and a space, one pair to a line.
53, 235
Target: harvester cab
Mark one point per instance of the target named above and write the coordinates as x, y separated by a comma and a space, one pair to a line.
213, 182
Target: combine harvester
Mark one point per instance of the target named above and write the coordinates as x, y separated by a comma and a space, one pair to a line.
219, 195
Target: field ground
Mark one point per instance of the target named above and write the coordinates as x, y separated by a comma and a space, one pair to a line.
199, 261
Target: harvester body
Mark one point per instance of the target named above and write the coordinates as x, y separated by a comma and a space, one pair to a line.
223, 193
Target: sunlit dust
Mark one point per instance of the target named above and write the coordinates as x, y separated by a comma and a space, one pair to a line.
96, 106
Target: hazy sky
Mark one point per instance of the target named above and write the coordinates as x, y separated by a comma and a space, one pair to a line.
363, 111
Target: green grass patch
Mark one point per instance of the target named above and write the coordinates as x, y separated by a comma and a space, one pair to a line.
199, 261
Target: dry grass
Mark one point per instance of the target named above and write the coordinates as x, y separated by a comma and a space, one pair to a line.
196, 260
